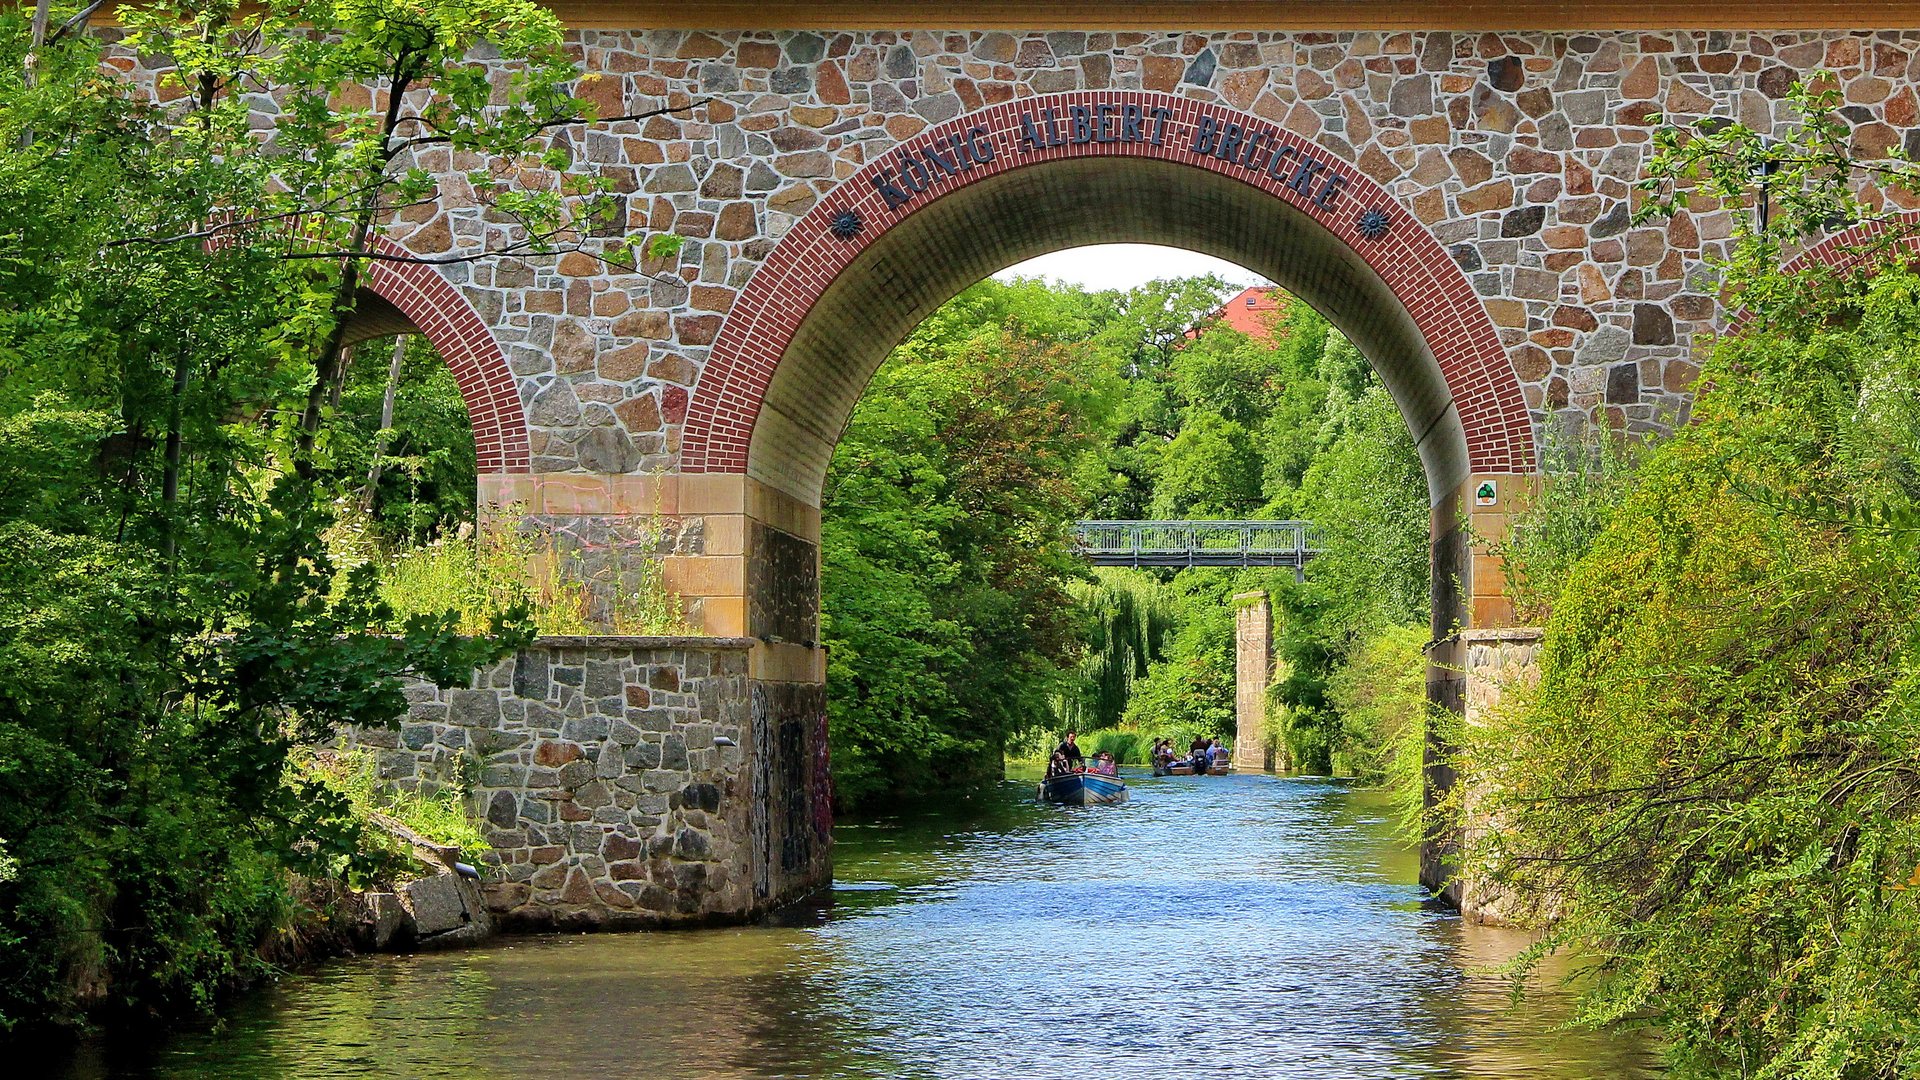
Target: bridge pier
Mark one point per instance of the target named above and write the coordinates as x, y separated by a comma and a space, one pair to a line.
1470, 607
1481, 665
1253, 746
628, 782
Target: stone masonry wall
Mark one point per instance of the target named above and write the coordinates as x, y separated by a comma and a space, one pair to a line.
594, 766
1518, 150
1252, 672
1496, 662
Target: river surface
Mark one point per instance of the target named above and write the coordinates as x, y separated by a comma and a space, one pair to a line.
1245, 926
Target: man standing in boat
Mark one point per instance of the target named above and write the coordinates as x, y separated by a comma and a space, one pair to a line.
1069, 750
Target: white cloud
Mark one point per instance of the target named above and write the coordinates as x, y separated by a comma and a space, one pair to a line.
1123, 266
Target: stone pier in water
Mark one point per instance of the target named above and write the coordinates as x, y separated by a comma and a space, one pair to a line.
628, 782
1252, 674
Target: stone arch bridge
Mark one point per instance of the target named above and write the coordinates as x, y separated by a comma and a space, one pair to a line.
1452, 188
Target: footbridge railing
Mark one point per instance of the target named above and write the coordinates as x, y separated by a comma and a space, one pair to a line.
1198, 543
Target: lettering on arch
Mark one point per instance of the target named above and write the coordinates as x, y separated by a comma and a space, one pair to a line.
1239, 142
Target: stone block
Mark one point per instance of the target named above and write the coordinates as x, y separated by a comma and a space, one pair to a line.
1623, 384
530, 675
473, 708
1652, 325
503, 810
437, 904
389, 923
692, 844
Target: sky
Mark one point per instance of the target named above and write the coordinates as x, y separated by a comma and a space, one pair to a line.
1122, 266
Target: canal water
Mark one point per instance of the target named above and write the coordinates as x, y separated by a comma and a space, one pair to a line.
1245, 926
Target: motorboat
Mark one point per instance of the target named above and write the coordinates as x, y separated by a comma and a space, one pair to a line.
1083, 789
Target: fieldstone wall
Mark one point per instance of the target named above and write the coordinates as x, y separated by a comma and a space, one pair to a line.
621, 782
1518, 151
1252, 672
1495, 663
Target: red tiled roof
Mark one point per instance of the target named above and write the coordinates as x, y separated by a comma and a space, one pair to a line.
1253, 312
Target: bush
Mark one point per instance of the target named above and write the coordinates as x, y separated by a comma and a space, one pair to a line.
1192, 690
1714, 785
1380, 692
1129, 617
482, 578
1585, 485
1127, 747
365, 805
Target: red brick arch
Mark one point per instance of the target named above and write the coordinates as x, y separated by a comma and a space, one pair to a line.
445, 317
1449, 315
1857, 244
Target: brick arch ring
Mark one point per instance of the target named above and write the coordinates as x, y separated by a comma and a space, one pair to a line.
447, 319
1856, 245
895, 186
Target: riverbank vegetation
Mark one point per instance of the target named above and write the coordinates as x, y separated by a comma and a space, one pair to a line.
1715, 788
174, 362
960, 622
222, 535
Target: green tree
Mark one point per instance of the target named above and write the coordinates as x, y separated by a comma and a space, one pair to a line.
1130, 617
945, 553
172, 289
1227, 374
1380, 693
1366, 494
1210, 470
420, 463
1714, 786
1191, 692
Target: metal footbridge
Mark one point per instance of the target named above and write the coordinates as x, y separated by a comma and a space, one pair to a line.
1197, 543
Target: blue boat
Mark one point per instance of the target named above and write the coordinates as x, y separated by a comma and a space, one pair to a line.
1083, 789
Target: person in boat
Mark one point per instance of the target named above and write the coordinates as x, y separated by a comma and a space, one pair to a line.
1103, 764
1057, 765
1197, 754
1161, 756
1069, 749
1214, 752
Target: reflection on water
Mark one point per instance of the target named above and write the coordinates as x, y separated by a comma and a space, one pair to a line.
1246, 925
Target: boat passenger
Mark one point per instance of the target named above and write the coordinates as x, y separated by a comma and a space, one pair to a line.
1162, 756
1197, 754
1103, 764
1069, 749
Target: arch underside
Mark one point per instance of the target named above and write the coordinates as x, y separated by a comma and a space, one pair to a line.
932, 254
375, 317
403, 296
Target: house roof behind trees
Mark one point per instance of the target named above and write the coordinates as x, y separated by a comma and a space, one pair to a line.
1253, 311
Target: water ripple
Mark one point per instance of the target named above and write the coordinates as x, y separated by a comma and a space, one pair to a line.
1244, 926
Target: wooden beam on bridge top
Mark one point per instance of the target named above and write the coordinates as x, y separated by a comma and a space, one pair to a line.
1289, 15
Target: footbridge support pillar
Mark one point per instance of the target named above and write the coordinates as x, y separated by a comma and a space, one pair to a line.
1253, 746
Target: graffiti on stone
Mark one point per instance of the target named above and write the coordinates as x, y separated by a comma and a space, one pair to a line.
796, 842
791, 814
822, 777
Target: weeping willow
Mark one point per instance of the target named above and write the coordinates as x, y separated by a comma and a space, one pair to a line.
1129, 618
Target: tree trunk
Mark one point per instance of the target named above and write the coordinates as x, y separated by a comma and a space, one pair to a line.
386, 424
30, 68
326, 365
41, 9
340, 377
170, 476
